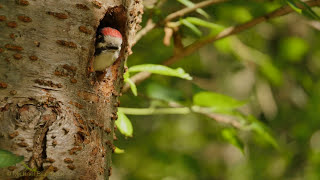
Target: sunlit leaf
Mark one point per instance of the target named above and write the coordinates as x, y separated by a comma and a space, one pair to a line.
191, 26
124, 124
216, 101
162, 70
118, 151
200, 22
133, 86
8, 158
191, 4
292, 4
230, 135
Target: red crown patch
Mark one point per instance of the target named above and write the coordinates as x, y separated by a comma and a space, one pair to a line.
108, 31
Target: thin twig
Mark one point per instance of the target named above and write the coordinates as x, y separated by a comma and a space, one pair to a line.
225, 33
220, 118
236, 29
225, 119
187, 10
153, 111
151, 25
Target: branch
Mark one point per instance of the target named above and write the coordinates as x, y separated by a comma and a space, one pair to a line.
151, 25
153, 111
223, 34
187, 10
236, 29
220, 118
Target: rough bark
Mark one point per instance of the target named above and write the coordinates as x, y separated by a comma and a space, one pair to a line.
54, 110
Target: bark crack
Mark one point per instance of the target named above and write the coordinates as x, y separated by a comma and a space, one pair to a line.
40, 139
44, 149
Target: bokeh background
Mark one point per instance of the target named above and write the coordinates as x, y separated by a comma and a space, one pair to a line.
274, 66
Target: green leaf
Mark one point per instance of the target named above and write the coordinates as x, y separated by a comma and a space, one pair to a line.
294, 6
124, 124
133, 86
191, 26
8, 158
217, 102
262, 130
203, 23
307, 11
230, 135
118, 151
191, 4
162, 70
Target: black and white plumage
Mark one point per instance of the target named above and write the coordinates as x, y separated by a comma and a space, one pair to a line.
108, 46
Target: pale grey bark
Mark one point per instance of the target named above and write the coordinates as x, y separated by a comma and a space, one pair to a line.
53, 110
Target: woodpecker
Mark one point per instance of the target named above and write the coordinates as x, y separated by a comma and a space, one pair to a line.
108, 46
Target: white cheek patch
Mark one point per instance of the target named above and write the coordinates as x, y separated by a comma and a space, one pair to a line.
112, 40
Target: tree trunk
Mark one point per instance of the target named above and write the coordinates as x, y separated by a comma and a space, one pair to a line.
54, 110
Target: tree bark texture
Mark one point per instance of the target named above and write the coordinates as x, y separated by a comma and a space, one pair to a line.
54, 110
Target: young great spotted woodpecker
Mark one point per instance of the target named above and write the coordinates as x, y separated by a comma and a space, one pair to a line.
108, 46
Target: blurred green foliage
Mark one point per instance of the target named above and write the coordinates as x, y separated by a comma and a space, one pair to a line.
274, 67
293, 49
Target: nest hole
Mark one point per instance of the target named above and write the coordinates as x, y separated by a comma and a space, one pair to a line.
116, 18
